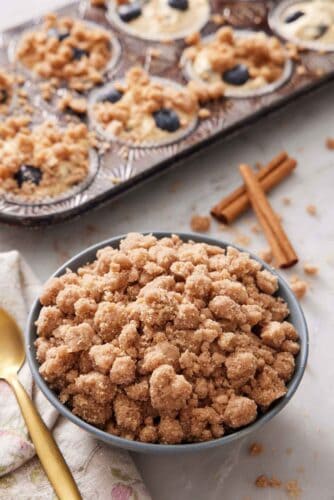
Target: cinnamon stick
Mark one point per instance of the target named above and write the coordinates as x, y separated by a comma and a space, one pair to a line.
281, 247
237, 202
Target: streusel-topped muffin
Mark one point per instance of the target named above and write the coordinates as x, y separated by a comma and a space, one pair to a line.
68, 50
143, 109
42, 161
242, 62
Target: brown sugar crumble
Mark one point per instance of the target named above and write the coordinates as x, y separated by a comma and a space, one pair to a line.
255, 449
330, 143
166, 341
264, 481
311, 209
6, 91
310, 269
266, 255
67, 50
200, 223
298, 286
44, 160
293, 489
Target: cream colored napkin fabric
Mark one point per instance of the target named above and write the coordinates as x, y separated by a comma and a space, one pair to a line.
101, 472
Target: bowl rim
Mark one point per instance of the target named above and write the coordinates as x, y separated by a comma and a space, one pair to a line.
137, 446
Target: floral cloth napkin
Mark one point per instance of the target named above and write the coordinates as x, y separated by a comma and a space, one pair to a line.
101, 472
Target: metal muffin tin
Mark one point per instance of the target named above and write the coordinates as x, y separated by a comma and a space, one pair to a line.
123, 167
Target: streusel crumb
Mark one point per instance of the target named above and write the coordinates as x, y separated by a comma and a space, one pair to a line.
298, 286
44, 160
311, 209
166, 341
6, 91
330, 143
293, 489
268, 482
311, 269
255, 449
200, 223
68, 50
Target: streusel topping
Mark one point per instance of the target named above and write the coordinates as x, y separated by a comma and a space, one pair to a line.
239, 61
166, 341
6, 91
68, 50
42, 161
141, 109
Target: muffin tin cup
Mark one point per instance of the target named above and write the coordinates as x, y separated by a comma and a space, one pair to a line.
108, 136
115, 47
275, 21
115, 20
65, 195
296, 317
239, 92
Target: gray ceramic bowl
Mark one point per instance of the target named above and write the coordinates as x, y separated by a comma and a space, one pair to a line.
296, 318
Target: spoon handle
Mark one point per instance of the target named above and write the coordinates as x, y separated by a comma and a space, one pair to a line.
46, 447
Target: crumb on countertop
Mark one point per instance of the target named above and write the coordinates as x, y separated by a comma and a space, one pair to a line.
311, 209
264, 481
310, 269
266, 255
330, 143
298, 286
200, 223
293, 489
286, 200
255, 449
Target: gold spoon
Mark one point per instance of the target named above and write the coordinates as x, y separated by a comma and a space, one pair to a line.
12, 357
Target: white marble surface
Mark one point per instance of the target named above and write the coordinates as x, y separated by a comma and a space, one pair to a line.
299, 443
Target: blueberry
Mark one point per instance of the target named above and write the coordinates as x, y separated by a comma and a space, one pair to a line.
238, 75
54, 33
113, 95
179, 4
77, 53
3, 96
167, 119
63, 35
28, 173
320, 31
294, 16
129, 11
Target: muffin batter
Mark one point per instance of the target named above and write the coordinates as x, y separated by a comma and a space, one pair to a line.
242, 63
143, 111
160, 19
309, 21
